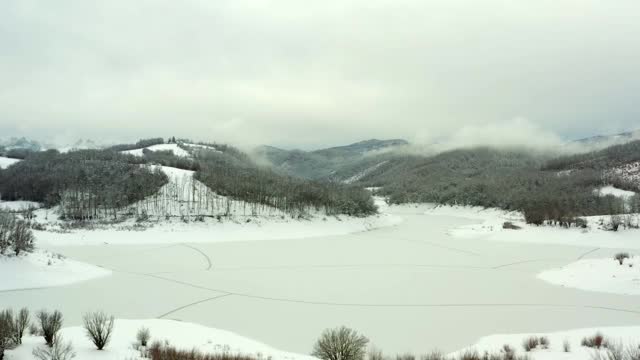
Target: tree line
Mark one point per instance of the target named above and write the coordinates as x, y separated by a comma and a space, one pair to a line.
507, 179
86, 184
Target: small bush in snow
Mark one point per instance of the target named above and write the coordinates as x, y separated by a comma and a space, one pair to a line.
530, 343
59, 350
99, 327
544, 342
158, 351
511, 226
596, 341
566, 346
614, 222
340, 343
621, 256
143, 336
50, 324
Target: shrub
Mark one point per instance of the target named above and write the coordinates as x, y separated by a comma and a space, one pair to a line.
59, 350
19, 324
99, 328
143, 336
340, 344
50, 324
434, 355
511, 226
621, 256
22, 238
159, 352
544, 342
615, 222
7, 338
530, 343
596, 341
566, 346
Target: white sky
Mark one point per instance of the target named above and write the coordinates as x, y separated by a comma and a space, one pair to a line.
314, 73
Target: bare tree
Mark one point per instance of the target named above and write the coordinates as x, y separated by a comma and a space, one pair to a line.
7, 340
50, 324
99, 327
22, 237
20, 324
340, 344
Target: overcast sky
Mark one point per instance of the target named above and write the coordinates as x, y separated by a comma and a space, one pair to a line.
312, 73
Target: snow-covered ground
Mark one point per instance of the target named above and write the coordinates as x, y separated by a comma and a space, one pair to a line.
603, 275
18, 205
611, 190
184, 336
491, 221
6, 162
563, 345
202, 147
627, 336
44, 269
211, 230
174, 148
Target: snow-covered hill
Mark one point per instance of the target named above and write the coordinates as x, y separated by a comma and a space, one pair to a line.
174, 148
6, 162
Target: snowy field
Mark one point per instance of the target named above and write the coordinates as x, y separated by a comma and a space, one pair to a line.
437, 268
606, 275
174, 148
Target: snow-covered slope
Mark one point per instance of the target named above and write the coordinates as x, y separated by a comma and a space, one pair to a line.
6, 162
626, 336
18, 205
174, 148
184, 336
601, 275
43, 269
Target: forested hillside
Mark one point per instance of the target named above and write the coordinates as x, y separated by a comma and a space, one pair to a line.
86, 184
336, 163
507, 179
91, 184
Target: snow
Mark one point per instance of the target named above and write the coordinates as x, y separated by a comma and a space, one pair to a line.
182, 335
626, 335
491, 221
203, 147
174, 148
5, 162
211, 230
602, 275
364, 173
18, 205
44, 269
610, 190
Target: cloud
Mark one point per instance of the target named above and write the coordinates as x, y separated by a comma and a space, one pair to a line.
309, 74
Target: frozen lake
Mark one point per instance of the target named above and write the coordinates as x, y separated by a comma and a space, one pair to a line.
410, 287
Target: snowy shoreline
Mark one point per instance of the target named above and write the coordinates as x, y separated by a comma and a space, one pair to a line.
42, 269
187, 336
